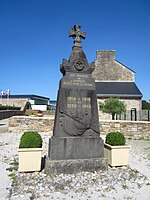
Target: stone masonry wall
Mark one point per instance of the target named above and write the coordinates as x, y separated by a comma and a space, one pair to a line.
25, 123
107, 68
45, 124
13, 102
9, 113
133, 129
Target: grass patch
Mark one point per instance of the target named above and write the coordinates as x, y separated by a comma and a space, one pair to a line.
10, 169
13, 168
125, 187
1, 144
33, 196
129, 138
148, 157
142, 138
12, 177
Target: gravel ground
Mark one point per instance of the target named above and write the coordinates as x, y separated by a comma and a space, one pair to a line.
131, 182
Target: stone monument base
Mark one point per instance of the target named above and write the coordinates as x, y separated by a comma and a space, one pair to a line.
75, 166
75, 148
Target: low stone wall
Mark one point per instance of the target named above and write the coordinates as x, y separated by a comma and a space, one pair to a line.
13, 102
26, 123
133, 129
9, 113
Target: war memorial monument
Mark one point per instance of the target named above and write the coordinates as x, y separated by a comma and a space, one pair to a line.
76, 144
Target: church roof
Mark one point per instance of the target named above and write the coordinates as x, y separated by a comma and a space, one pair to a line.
117, 89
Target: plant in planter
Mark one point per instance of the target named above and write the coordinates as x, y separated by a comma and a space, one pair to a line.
115, 149
30, 152
39, 113
32, 113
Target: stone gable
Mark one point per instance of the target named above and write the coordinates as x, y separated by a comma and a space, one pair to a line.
108, 69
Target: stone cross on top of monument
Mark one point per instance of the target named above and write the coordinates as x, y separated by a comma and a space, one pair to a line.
77, 35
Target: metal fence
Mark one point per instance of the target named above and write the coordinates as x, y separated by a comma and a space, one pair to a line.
134, 115
145, 115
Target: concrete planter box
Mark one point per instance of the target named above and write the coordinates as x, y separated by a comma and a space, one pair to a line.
39, 114
116, 155
30, 159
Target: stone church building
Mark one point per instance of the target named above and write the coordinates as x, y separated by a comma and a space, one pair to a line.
113, 79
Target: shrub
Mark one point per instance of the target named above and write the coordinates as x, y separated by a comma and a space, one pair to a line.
145, 105
9, 108
115, 139
30, 140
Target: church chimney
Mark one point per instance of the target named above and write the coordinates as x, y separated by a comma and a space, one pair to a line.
105, 55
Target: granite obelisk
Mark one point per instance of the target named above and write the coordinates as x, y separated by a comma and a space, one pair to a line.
76, 137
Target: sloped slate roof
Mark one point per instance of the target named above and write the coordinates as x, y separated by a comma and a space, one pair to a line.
117, 89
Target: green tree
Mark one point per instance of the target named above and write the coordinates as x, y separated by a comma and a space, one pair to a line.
113, 106
145, 105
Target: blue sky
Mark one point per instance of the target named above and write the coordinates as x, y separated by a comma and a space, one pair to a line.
34, 40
